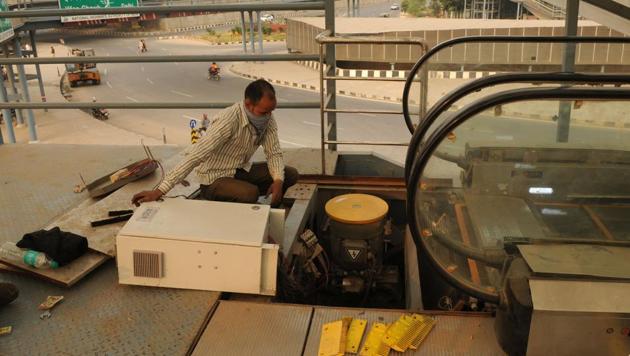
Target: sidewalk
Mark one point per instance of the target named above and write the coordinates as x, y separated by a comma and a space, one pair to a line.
298, 76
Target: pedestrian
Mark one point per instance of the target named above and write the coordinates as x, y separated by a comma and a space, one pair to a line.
205, 123
52, 51
223, 154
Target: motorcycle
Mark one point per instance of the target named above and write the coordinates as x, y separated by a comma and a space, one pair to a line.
100, 113
214, 75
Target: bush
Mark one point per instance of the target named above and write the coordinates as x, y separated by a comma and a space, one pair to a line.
211, 32
266, 30
236, 30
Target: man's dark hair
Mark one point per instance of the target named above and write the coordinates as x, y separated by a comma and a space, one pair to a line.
257, 89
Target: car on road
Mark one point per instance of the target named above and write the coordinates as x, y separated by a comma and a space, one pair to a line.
266, 17
394, 7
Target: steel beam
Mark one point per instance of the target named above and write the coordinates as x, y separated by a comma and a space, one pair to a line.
32, 133
38, 71
243, 32
568, 65
147, 105
279, 6
8, 118
331, 65
164, 59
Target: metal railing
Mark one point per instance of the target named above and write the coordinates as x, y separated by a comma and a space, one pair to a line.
5, 104
328, 74
440, 134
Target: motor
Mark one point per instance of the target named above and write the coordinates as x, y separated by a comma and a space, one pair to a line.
100, 113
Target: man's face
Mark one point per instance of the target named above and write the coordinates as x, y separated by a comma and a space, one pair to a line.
263, 107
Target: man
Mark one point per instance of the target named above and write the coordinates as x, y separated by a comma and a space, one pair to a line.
224, 152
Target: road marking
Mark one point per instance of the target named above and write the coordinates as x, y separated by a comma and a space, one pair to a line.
142, 68
292, 143
109, 84
180, 93
311, 123
367, 114
283, 100
132, 99
107, 54
176, 63
150, 81
189, 117
105, 71
505, 138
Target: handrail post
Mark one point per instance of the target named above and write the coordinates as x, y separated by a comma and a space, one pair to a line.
8, 118
251, 30
27, 96
568, 65
243, 32
38, 71
331, 68
11, 75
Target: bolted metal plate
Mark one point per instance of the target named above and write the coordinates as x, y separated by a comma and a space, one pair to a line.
100, 317
451, 335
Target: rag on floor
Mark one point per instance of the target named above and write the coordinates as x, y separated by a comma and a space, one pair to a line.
62, 246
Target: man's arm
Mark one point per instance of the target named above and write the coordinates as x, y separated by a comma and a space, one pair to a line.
275, 161
271, 146
219, 133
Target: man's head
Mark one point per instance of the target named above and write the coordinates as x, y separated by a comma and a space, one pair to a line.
260, 98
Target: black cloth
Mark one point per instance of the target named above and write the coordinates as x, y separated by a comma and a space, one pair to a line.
63, 247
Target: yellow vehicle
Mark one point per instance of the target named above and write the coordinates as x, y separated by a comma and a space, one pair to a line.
82, 72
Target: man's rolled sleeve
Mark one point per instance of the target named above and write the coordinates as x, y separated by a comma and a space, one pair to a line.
271, 146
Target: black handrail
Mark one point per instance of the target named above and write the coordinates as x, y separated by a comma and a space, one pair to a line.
462, 116
485, 39
499, 79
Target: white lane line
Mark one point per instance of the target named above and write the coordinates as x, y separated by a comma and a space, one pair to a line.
292, 143
180, 93
176, 63
107, 54
505, 138
311, 123
132, 99
105, 71
150, 81
109, 84
190, 118
142, 68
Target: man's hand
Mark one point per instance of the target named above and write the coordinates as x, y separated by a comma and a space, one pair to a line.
275, 189
146, 196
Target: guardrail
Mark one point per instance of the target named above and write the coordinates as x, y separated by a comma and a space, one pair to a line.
328, 132
327, 6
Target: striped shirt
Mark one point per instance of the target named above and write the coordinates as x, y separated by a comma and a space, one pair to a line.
229, 143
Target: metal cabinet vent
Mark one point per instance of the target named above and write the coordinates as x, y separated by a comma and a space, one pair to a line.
147, 264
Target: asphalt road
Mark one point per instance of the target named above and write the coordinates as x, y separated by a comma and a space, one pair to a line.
144, 82
170, 82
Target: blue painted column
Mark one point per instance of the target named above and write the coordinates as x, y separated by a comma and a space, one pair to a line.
8, 119
32, 131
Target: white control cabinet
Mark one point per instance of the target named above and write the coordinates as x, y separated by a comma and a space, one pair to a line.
195, 244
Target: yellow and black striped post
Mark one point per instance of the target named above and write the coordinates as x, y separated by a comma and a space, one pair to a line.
195, 135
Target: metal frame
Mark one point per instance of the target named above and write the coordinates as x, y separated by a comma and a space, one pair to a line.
459, 118
326, 5
328, 94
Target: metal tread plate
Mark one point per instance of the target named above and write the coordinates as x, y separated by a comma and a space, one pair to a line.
245, 329
101, 317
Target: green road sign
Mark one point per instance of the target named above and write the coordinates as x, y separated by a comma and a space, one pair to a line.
81, 4
6, 28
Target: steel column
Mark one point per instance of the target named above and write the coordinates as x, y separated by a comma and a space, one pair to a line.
358, 8
27, 96
260, 34
251, 30
11, 76
331, 66
243, 32
568, 65
8, 118
38, 71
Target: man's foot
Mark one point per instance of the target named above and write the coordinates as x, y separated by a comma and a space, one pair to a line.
8, 293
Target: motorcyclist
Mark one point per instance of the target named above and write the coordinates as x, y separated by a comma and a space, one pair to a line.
214, 69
